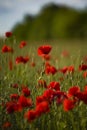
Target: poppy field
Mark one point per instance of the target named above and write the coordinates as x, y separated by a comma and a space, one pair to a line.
43, 85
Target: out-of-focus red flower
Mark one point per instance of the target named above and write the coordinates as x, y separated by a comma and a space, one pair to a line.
30, 115
83, 67
6, 48
50, 70
42, 107
24, 102
63, 70
49, 95
42, 83
85, 74
22, 59
14, 96
73, 91
22, 44
6, 125
68, 104
54, 85
39, 99
71, 69
26, 91
33, 64
12, 107
44, 50
65, 53
8, 34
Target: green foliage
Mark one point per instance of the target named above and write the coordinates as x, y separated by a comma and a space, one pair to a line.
53, 22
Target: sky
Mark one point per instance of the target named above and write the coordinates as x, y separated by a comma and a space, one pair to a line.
13, 11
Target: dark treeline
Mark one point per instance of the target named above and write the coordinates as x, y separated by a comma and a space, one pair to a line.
53, 22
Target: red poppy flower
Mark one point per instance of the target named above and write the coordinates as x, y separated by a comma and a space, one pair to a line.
24, 102
30, 115
26, 91
68, 104
22, 44
39, 99
73, 91
8, 34
45, 49
42, 107
12, 107
71, 69
49, 95
14, 96
50, 70
63, 70
83, 67
6, 48
54, 85
22, 60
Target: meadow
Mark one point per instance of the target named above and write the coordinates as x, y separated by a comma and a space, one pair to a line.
43, 85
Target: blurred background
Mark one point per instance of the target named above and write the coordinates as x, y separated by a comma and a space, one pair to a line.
44, 19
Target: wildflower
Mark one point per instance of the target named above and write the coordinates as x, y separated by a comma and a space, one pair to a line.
63, 70
24, 102
6, 48
68, 104
12, 107
39, 99
22, 44
71, 69
42, 107
73, 91
44, 50
83, 67
8, 34
30, 115
49, 95
14, 96
50, 70
26, 91
54, 85
22, 60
